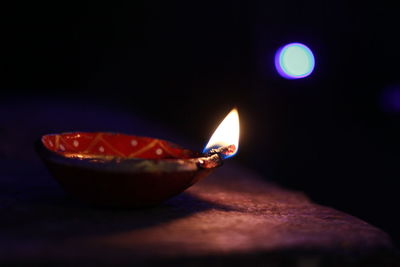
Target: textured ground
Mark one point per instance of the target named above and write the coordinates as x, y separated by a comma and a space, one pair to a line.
232, 217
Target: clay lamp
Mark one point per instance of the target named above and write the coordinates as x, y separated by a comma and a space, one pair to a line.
113, 169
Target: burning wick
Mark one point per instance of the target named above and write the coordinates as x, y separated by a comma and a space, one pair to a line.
224, 151
223, 143
213, 158
225, 139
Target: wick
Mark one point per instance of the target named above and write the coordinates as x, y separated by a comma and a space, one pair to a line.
225, 150
213, 158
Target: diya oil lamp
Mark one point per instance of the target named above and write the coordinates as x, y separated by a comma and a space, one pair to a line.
113, 169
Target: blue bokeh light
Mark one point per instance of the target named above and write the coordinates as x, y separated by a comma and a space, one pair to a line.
390, 99
294, 61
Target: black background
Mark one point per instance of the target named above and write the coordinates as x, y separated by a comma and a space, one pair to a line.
187, 63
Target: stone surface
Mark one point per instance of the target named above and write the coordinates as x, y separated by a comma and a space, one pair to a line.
233, 217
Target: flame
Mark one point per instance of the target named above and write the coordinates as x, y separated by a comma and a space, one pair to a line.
226, 135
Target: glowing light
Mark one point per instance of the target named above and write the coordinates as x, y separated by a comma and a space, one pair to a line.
390, 99
226, 134
294, 61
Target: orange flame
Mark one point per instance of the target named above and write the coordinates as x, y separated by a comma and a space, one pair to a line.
226, 135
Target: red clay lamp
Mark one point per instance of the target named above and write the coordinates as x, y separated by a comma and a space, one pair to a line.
113, 169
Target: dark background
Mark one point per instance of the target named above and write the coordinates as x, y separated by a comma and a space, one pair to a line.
334, 135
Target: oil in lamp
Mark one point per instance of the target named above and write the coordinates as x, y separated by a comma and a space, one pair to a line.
119, 170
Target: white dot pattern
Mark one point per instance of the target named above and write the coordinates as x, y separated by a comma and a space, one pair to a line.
159, 151
62, 147
76, 143
101, 149
134, 142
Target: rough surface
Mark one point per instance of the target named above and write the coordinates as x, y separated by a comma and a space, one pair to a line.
233, 217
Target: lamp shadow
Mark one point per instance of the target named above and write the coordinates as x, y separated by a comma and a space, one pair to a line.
57, 216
